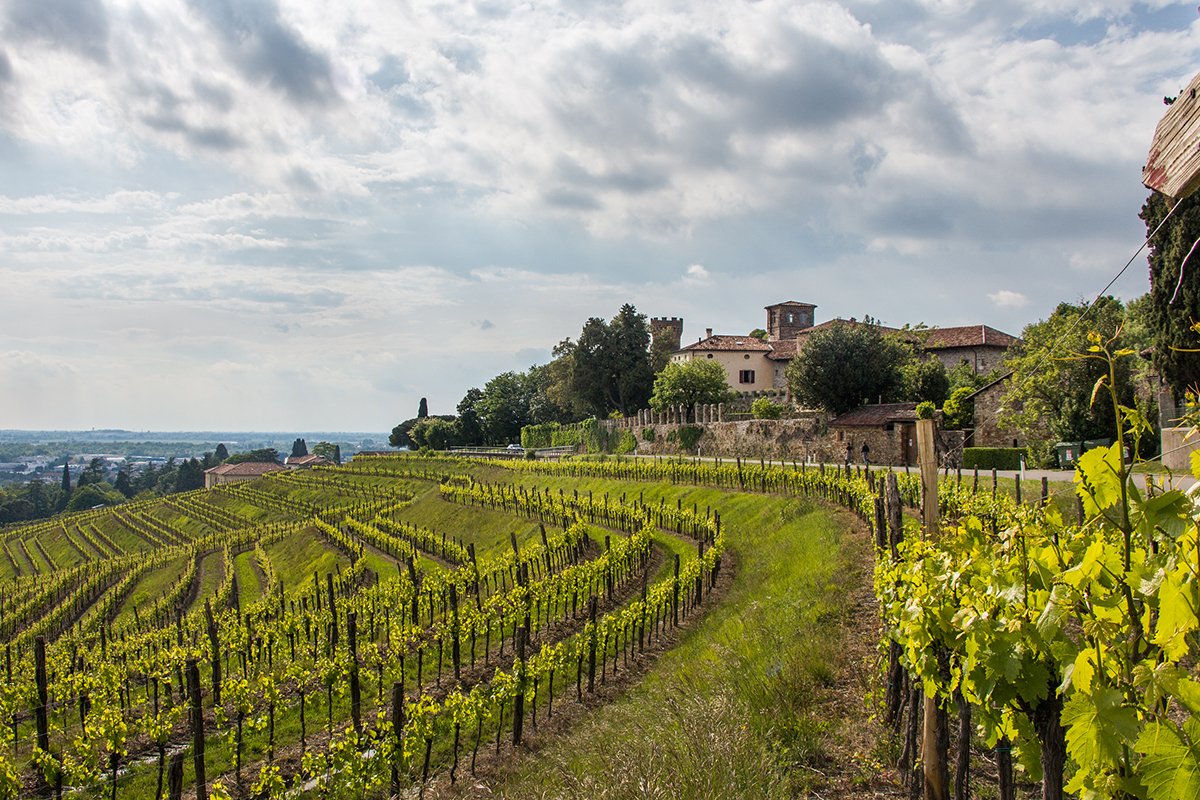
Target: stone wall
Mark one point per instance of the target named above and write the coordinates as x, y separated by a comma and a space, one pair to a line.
806, 438
987, 432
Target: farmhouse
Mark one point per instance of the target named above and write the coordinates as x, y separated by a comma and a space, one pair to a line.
236, 473
753, 364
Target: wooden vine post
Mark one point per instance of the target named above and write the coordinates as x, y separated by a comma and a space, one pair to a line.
197, 725
936, 738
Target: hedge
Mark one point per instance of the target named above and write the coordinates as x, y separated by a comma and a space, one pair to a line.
992, 457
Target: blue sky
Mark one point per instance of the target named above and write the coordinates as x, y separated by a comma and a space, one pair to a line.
274, 214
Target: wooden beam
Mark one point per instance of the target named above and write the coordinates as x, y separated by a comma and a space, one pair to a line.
1173, 166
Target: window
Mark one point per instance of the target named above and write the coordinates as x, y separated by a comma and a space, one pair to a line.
747, 356
710, 355
789, 318
746, 376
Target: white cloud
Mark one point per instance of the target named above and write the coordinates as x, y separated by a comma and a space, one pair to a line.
1006, 298
697, 275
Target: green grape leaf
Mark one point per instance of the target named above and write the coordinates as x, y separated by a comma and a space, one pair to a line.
1097, 725
1170, 763
1187, 692
1196, 464
1176, 618
1100, 467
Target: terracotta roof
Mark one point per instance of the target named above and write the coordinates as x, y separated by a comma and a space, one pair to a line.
983, 389
739, 343
876, 415
782, 350
968, 336
309, 460
246, 468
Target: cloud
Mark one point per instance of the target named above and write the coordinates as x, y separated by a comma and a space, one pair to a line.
697, 275
484, 325
80, 26
1008, 299
265, 47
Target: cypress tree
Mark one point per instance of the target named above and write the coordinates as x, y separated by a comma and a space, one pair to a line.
66, 479
337, 453
423, 409
222, 452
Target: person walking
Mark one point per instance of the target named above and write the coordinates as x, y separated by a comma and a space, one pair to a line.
866, 453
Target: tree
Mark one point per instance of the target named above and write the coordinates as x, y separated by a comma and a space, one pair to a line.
690, 383
93, 472
190, 476
758, 333
400, 437
422, 409
66, 479
845, 365
435, 433
661, 349
264, 455
1050, 398
610, 364
504, 408
470, 431
299, 448
221, 453
1174, 290
959, 412
926, 380
123, 484
328, 450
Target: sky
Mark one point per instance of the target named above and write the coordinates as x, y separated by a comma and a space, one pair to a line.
277, 214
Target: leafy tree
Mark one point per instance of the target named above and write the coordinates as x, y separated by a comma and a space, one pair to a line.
1050, 398
190, 476
610, 364
470, 431
763, 408
264, 455
690, 383
221, 453
1174, 297
92, 495
504, 408
435, 433
926, 380
328, 450
759, 333
422, 409
400, 437
959, 412
299, 448
845, 365
123, 484
93, 472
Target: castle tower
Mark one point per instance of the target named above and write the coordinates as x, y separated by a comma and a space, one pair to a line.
671, 328
785, 320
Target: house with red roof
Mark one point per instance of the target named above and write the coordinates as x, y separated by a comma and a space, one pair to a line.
236, 473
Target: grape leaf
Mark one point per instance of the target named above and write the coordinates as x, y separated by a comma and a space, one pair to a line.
1100, 467
1097, 725
1170, 765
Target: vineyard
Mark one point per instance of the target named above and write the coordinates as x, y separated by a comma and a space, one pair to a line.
383, 627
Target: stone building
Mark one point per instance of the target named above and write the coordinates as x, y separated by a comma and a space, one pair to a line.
236, 473
980, 346
671, 329
988, 400
745, 359
888, 430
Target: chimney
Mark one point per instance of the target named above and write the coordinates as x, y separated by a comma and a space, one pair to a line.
708, 333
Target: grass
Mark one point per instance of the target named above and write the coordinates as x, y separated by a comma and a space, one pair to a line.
150, 587
250, 587
732, 711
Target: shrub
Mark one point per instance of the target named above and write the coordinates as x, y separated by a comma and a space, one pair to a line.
926, 409
992, 457
765, 409
626, 444
689, 436
648, 434
538, 435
